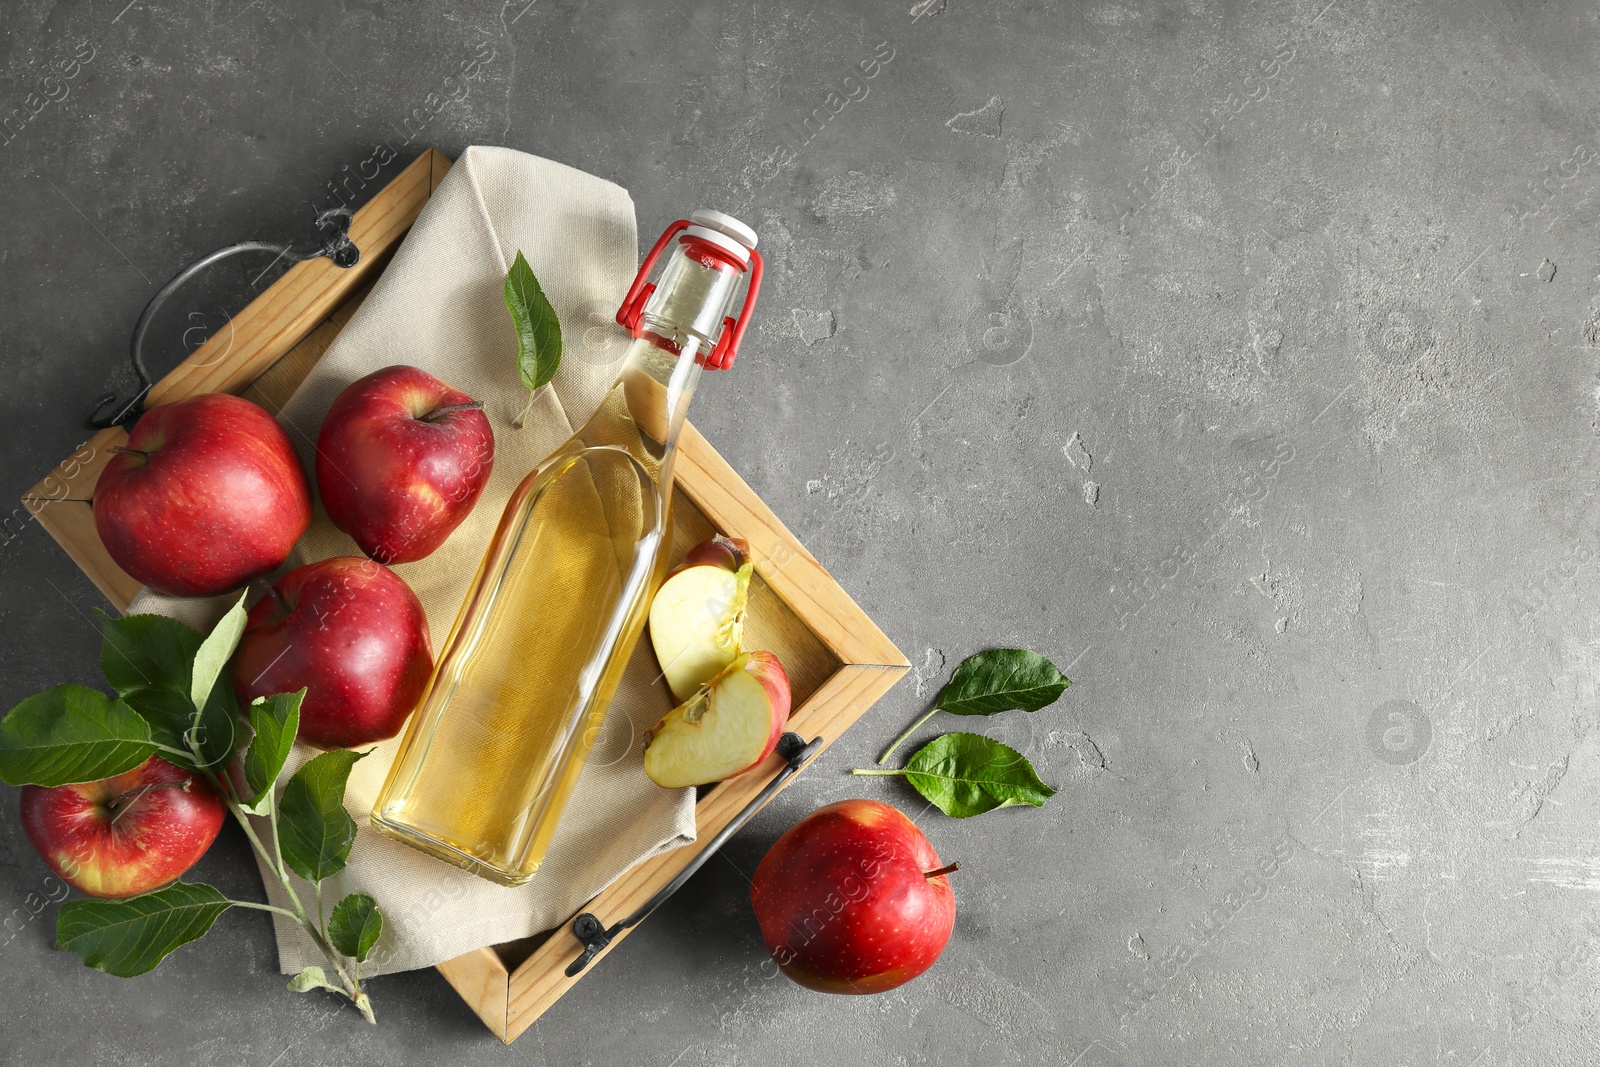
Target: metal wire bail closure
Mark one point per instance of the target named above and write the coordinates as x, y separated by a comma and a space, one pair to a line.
333, 237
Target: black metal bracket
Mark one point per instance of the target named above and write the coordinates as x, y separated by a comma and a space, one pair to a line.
588, 929
333, 242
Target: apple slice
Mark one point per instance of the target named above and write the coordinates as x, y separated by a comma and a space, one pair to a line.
697, 616
726, 728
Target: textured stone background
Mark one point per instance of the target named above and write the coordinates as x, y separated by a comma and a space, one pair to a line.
1243, 355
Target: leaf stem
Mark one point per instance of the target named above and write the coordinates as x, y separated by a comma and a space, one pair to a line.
868, 770
908, 732
516, 423
285, 912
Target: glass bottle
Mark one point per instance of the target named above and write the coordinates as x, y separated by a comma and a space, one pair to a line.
521, 686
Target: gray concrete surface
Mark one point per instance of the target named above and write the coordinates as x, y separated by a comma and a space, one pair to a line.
1243, 355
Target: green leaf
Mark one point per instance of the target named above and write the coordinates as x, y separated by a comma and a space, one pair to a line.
170, 717
999, 680
207, 737
167, 712
312, 978
355, 925
969, 774
71, 734
314, 830
159, 665
129, 937
214, 653
146, 652
276, 721
215, 730
538, 329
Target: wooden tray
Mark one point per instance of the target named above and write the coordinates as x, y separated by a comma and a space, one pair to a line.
839, 662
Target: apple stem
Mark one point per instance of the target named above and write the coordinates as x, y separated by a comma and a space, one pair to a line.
121, 451
902, 738
122, 801
946, 869
265, 588
450, 409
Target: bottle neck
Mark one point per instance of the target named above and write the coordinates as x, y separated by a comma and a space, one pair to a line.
678, 327
659, 376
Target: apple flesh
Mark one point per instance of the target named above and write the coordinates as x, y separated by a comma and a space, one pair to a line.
401, 460
206, 495
125, 835
853, 899
353, 635
728, 727
697, 616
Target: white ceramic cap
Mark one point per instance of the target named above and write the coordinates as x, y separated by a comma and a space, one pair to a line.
724, 223
734, 248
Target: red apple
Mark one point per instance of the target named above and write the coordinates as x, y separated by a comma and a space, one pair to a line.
125, 835
728, 727
207, 495
853, 899
353, 635
401, 459
697, 616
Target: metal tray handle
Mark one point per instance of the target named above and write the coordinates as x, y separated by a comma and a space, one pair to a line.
595, 937
333, 237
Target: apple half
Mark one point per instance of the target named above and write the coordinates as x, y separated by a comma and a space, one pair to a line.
697, 616
728, 727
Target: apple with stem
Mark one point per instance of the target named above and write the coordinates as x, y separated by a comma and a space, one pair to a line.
126, 835
401, 460
726, 728
206, 495
697, 616
853, 899
353, 635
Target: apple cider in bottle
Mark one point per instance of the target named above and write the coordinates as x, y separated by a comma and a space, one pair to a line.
522, 684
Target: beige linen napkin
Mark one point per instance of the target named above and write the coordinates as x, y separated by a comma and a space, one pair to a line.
439, 306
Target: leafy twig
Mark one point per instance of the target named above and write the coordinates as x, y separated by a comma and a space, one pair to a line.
967, 774
224, 786
174, 700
